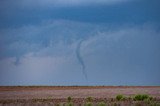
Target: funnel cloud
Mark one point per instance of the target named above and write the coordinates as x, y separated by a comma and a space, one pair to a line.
80, 59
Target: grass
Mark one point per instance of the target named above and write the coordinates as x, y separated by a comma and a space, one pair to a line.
89, 104
141, 97
89, 99
69, 99
101, 104
137, 100
69, 104
57, 104
120, 97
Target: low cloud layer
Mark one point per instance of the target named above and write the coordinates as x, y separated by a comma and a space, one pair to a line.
43, 54
56, 3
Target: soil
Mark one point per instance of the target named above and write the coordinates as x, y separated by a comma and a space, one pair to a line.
61, 92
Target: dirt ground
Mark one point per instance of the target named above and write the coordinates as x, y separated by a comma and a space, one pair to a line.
32, 92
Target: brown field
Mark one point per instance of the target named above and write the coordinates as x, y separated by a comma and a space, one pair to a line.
52, 95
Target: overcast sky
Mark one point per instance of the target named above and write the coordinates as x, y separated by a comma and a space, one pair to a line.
79, 42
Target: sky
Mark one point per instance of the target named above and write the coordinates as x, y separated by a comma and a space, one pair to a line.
80, 42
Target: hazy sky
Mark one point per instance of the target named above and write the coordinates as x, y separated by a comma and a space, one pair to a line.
79, 42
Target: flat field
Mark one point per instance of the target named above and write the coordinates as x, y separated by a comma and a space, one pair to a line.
57, 95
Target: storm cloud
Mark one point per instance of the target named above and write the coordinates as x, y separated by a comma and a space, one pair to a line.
54, 42
46, 53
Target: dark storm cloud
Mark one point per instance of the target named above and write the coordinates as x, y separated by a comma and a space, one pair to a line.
40, 42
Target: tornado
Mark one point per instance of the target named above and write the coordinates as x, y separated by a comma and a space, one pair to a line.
80, 59
17, 61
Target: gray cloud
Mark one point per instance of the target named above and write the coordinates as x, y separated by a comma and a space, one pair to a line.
48, 52
54, 3
19, 41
